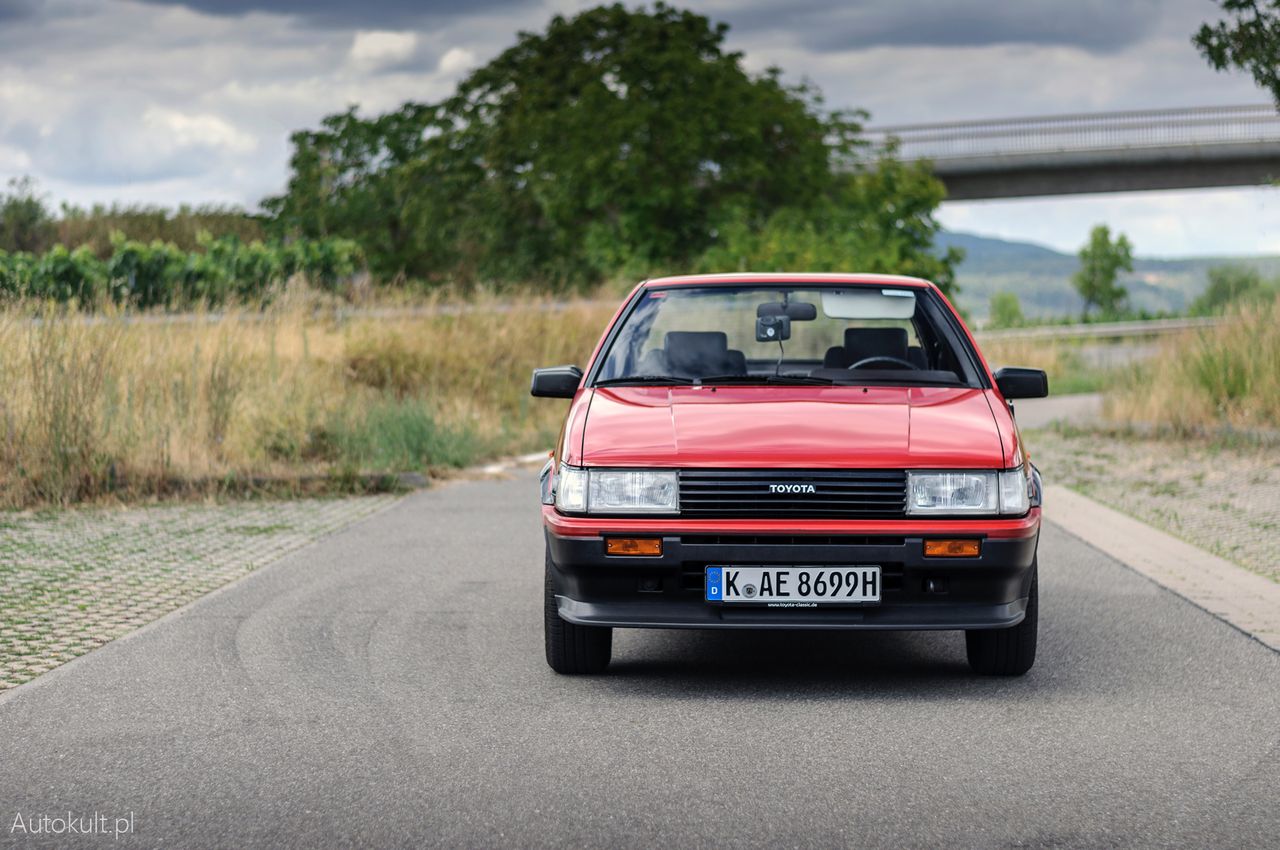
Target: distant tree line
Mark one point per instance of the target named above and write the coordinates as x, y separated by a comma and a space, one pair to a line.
616, 143
28, 223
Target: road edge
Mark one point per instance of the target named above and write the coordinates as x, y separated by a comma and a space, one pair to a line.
1228, 591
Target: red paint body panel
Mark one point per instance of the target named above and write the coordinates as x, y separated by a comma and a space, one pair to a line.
570, 449
1015, 528
796, 427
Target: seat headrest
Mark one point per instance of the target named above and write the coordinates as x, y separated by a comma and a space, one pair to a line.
861, 343
695, 353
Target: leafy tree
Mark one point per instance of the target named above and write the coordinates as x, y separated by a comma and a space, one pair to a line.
25, 221
615, 140
1248, 40
1229, 284
1006, 311
877, 218
1101, 261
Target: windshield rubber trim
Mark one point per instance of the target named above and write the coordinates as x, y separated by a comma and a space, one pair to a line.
612, 335
954, 335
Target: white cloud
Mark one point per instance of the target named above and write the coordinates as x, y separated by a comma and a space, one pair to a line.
176, 130
456, 59
380, 48
14, 160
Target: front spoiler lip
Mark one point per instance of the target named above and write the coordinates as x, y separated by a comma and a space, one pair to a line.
1012, 528
696, 615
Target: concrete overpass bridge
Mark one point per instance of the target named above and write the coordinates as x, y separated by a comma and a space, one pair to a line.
1102, 152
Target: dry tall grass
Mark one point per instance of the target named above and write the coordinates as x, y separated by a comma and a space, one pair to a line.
1061, 360
1226, 377
115, 407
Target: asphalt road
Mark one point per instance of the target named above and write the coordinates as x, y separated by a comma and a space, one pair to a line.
387, 688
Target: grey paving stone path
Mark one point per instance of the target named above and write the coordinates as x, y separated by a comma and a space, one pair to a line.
73, 580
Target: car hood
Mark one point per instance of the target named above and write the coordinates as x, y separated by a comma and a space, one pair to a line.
799, 427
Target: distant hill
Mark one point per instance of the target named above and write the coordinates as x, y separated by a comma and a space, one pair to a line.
1041, 277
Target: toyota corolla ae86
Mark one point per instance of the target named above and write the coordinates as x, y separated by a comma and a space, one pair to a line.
759, 451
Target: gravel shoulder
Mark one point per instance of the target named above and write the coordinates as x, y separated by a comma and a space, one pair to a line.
1223, 499
73, 580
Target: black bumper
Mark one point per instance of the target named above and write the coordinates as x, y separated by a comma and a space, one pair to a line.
988, 591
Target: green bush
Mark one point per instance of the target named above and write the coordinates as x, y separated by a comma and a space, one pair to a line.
64, 276
161, 275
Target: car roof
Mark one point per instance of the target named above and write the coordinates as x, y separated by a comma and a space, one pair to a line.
739, 278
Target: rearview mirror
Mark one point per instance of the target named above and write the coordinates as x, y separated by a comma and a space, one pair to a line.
555, 382
796, 311
1015, 382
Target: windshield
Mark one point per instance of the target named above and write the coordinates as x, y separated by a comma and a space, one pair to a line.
786, 334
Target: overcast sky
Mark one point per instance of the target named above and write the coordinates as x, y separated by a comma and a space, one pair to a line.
169, 102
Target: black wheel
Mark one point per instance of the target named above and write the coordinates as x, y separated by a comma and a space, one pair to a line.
572, 648
1007, 652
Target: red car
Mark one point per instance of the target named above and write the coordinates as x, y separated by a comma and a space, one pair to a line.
790, 451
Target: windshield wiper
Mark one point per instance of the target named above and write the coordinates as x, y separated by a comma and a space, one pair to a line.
765, 379
644, 379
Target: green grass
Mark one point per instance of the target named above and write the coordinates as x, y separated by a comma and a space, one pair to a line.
398, 435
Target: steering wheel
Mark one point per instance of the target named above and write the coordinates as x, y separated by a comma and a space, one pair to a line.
896, 361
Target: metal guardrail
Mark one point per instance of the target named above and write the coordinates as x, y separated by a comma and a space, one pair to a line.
1100, 330
1147, 128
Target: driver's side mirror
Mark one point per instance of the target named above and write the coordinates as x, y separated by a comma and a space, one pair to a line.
1016, 382
555, 382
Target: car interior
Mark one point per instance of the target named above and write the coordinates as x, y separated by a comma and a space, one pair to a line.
903, 349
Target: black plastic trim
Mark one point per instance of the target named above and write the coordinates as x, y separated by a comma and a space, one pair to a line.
988, 591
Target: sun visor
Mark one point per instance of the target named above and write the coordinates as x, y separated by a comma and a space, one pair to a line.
869, 303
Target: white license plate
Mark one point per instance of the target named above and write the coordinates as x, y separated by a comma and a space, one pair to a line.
793, 586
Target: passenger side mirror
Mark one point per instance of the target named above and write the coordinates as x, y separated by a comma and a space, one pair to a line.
555, 382
1015, 382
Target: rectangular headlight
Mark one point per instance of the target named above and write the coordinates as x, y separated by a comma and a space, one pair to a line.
943, 493
977, 493
633, 491
617, 491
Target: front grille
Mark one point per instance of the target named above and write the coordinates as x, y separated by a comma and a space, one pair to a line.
793, 493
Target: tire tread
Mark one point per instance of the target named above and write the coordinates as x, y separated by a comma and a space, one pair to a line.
571, 648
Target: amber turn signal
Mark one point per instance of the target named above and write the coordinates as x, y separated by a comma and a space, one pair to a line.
952, 548
633, 546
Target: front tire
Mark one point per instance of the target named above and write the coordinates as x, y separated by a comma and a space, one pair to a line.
572, 649
1011, 651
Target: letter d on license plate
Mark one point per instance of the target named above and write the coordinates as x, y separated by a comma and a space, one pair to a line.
791, 585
